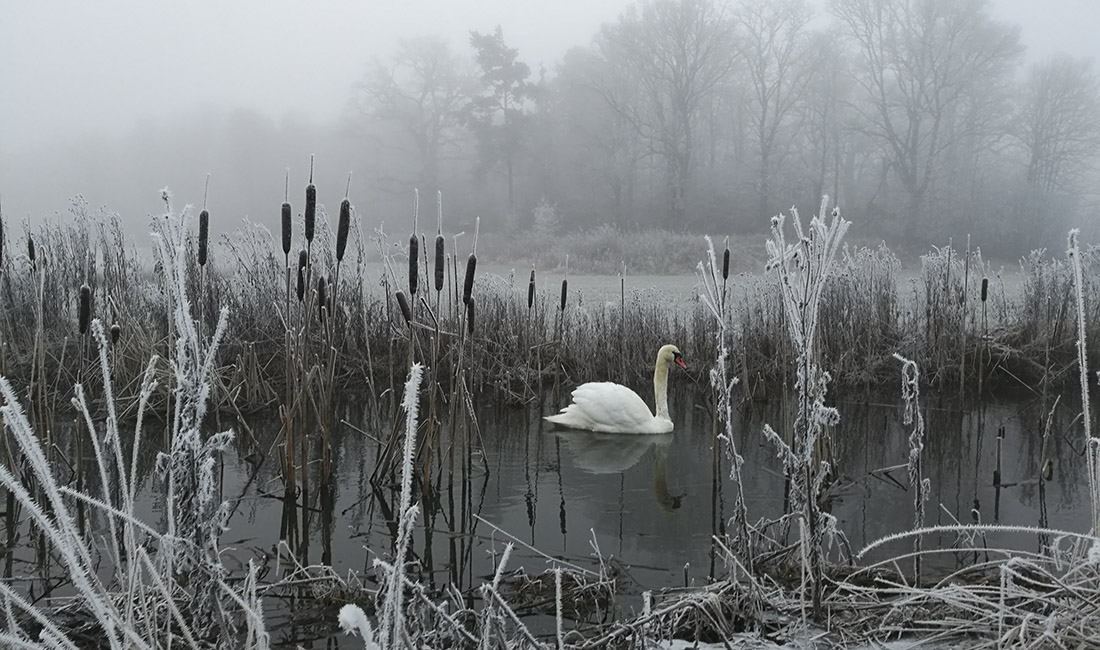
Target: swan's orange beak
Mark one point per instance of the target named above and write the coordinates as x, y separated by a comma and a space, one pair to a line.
680, 362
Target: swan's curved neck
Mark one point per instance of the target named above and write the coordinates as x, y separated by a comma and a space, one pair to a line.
660, 388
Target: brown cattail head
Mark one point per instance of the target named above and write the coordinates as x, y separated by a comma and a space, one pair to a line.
204, 235
403, 303
414, 263
116, 332
311, 210
30, 249
439, 269
470, 316
322, 297
726, 263
301, 275
342, 229
531, 290
286, 228
564, 292
84, 309
985, 288
468, 284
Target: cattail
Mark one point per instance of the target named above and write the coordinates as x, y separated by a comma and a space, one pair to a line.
84, 310
403, 303
414, 263
301, 275
564, 291
311, 204
985, 288
116, 332
468, 284
726, 263
30, 249
470, 316
204, 235
286, 228
321, 297
342, 229
531, 290
439, 269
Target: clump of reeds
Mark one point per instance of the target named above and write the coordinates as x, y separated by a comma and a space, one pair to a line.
166, 587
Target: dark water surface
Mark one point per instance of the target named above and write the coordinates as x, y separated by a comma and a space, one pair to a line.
653, 502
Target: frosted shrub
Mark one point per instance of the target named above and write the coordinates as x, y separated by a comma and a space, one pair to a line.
802, 268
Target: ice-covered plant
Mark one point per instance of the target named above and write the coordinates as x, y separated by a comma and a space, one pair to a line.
391, 627
169, 588
713, 278
910, 395
1092, 451
802, 267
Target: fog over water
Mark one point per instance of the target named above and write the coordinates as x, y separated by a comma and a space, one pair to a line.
115, 99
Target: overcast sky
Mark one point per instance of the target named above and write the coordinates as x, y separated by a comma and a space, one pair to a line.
100, 67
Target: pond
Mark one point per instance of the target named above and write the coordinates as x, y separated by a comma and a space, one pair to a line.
649, 504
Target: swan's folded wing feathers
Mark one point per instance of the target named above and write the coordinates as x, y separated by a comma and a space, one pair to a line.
607, 406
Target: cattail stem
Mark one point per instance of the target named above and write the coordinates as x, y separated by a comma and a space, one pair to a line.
414, 263
439, 262
342, 230
468, 283
531, 291
403, 303
85, 308
302, 261
204, 235
285, 215
311, 204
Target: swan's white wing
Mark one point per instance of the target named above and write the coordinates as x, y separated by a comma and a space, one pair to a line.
605, 406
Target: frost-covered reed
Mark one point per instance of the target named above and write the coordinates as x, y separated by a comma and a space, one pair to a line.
165, 587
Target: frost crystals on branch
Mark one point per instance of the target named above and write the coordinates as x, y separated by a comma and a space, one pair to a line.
802, 268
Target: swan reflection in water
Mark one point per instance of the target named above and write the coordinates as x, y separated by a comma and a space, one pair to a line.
614, 453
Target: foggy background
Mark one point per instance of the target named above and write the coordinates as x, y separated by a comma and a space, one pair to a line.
927, 119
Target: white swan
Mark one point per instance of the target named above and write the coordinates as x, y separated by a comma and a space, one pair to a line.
612, 408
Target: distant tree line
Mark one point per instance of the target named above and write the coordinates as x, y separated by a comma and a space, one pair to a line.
920, 117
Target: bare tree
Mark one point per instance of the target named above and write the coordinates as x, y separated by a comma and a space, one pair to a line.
419, 94
671, 54
1060, 122
774, 45
604, 148
499, 115
925, 64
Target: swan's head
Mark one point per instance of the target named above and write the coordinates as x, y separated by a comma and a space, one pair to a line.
671, 354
